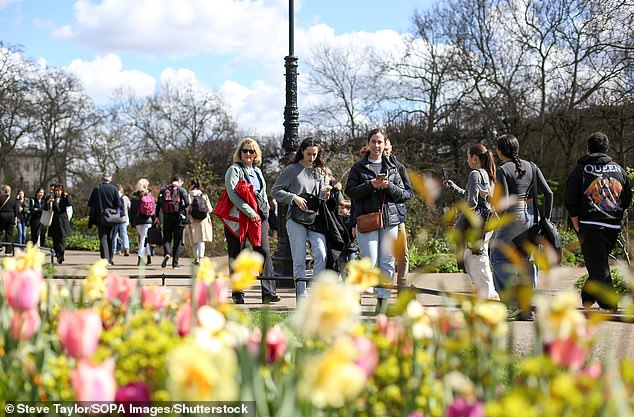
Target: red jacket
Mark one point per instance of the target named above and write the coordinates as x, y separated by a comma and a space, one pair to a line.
248, 228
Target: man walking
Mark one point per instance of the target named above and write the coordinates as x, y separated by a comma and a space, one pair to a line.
597, 193
102, 197
172, 202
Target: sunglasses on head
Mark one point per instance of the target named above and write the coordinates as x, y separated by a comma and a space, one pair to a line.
251, 151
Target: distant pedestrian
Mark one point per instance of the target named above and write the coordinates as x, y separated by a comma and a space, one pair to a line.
172, 202
102, 197
36, 205
142, 211
120, 231
23, 216
60, 227
597, 194
8, 218
200, 222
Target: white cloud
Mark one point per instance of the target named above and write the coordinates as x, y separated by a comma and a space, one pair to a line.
180, 77
258, 108
178, 28
7, 3
105, 74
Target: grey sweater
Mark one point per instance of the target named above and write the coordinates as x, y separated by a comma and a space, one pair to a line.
471, 192
296, 179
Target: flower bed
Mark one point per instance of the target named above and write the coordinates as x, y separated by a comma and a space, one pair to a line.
115, 341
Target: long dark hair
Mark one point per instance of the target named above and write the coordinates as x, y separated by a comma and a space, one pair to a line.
299, 155
509, 146
486, 159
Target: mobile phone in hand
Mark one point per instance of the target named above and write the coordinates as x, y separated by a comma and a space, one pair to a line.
381, 177
445, 174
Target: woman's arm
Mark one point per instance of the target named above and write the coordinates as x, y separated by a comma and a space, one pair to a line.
358, 188
280, 190
232, 177
472, 191
543, 186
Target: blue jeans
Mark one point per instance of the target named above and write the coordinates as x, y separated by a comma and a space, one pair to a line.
297, 237
377, 246
504, 272
21, 231
122, 230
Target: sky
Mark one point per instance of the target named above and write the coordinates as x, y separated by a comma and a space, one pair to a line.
233, 47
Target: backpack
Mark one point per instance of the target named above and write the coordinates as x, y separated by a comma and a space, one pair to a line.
199, 208
171, 200
146, 205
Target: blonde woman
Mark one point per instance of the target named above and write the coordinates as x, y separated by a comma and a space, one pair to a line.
142, 211
199, 227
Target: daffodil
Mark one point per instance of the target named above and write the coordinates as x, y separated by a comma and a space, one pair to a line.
332, 378
32, 258
330, 309
491, 312
206, 271
362, 274
196, 374
559, 317
246, 268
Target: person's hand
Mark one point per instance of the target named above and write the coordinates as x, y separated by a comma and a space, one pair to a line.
448, 183
354, 232
380, 184
300, 202
255, 218
157, 222
484, 193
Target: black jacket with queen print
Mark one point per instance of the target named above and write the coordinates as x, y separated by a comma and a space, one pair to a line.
598, 190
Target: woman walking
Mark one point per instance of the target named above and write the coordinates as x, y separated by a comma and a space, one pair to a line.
36, 205
375, 187
60, 227
299, 185
23, 216
481, 177
8, 218
515, 178
200, 223
142, 210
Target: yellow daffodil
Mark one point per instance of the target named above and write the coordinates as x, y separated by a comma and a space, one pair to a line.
559, 317
330, 309
196, 374
206, 271
427, 187
32, 258
94, 284
332, 378
246, 268
491, 312
362, 274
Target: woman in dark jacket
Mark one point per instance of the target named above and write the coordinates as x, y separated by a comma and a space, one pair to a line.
23, 216
36, 205
140, 219
8, 218
374, 185
60, 227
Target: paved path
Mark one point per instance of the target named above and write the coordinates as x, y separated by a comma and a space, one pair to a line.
612, 338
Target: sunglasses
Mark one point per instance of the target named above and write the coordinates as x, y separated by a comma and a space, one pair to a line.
251, 151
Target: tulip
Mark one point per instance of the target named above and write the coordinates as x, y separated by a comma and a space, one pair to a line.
155, 297
23, 288
79, 332
462, 408
567, 353
368, 355
219, 291
24, 324
137, 392
118, 287
94, 383
202, 293
184, 319
275, 344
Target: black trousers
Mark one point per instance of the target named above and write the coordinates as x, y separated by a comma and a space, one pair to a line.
105, 242
596, 244
7, 226
59, 245
172, 236
38, 232
234, 247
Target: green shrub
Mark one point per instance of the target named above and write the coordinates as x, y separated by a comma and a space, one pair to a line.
621, 285
432, 254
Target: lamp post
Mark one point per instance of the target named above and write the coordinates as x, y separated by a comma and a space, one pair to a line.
282, 261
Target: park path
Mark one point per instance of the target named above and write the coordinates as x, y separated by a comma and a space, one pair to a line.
613, 338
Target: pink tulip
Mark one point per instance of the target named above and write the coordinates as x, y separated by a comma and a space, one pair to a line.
118, 287
462, 408
202, 294
416, 414
392, 330
23, 288
137, 392
155, 298
594, 370
79, 332
24, 324
275, 344
94, 383
253, 344
567, 353
184, 319
219, 292
368, 355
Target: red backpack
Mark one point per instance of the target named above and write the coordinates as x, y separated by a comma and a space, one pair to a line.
171, 199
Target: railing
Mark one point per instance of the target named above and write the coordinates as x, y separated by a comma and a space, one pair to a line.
12, 245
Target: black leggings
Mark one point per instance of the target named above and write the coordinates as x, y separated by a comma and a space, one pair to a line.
596, 244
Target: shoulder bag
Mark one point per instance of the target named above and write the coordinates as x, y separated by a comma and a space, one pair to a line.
109, 216
302, 217
371, 222
542, 230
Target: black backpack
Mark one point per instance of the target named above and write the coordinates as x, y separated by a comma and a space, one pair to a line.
200, 209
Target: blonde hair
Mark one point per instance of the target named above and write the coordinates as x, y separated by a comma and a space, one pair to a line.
6, 189
258, 152
142, 185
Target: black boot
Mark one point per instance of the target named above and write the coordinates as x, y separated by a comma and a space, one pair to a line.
138, 261
149, 260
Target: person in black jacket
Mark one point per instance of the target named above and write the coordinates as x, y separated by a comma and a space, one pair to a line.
597, 194
173, 199
60, 227
8, 218
374, 185
36, 205
102, 197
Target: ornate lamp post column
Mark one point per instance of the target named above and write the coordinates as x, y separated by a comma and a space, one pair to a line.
282, 261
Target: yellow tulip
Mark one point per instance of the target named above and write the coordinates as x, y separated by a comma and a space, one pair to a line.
246, 267
330, 309
332, 378
206, 271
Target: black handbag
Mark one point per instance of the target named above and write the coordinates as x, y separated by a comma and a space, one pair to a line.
542, 230
154, 236
306, 218
109, 216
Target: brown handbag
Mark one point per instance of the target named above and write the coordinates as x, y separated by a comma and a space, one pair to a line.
370, 222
